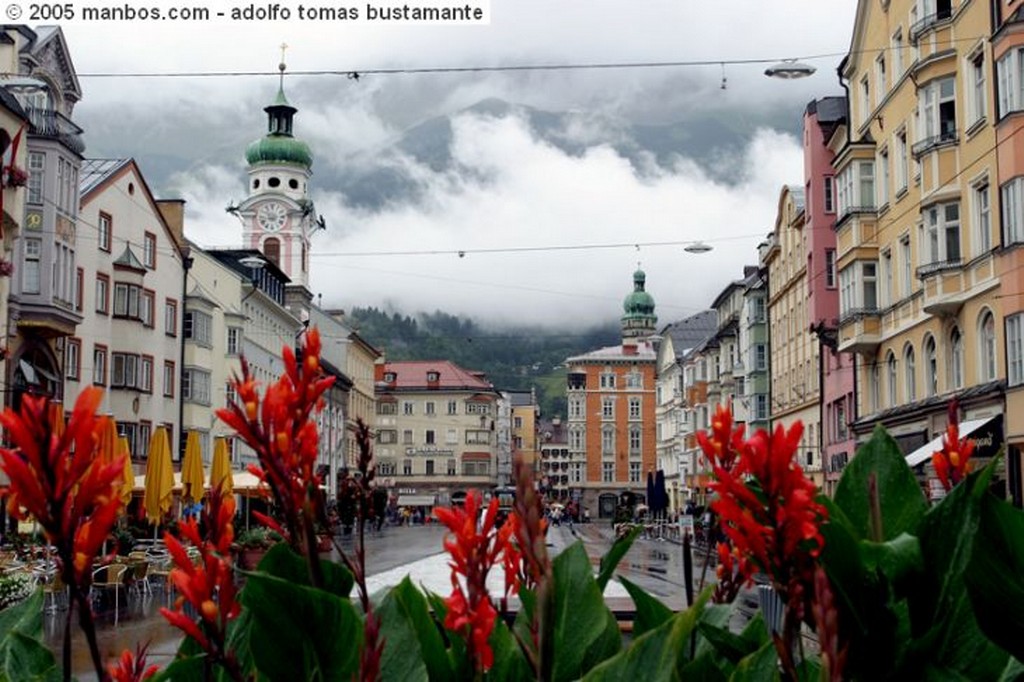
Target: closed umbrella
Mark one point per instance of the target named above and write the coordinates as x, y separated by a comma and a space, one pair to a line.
159, 489
108, 439
128, 476
220, 472
192, 469
57, 418
660, 493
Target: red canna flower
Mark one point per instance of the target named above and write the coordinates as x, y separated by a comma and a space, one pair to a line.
768, 512
132, 668
285, 439
207, 584
953, 462
475, 545
724, 444
70, 492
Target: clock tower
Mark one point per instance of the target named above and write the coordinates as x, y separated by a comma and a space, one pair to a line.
277, 216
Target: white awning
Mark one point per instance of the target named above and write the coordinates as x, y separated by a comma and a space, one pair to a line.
925, 452
416, 500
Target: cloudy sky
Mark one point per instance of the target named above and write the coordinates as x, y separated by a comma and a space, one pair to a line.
586, 177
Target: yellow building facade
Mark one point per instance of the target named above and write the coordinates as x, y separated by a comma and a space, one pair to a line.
916, 218
795, 350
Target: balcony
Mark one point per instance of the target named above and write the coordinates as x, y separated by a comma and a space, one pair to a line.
55, 125
860, 330
929, 22
850, 211
947, 138
947, 285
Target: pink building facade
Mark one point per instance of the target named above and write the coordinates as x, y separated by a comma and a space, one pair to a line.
836, 371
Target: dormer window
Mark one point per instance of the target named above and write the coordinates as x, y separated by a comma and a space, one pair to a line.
390, 377
433, 377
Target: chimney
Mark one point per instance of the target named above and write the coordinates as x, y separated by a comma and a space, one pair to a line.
629, 347
173, 213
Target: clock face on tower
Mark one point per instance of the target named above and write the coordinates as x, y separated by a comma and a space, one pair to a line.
272, 216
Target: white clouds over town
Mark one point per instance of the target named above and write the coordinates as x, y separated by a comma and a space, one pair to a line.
505, 183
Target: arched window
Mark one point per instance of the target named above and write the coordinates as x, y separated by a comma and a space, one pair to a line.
876, 387
987, 336
890, 363
931, 367
956, 359
272, 250
910, 371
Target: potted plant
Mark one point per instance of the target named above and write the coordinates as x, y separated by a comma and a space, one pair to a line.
253, 543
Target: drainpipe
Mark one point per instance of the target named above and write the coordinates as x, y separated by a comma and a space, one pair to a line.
186, 264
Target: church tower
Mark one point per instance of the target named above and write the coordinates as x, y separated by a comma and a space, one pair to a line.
638, 319
277, 216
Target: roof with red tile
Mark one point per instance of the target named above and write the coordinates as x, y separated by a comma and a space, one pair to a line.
412, 376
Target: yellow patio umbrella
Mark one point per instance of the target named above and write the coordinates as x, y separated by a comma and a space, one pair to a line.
220, 472
128, 477
192, 476
108, 439
159, 488
57, 417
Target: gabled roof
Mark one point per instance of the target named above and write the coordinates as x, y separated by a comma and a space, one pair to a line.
95, 171
51, 38
412, 375
689, 333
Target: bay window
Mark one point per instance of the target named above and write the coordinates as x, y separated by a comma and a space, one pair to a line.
941, 242
1015, 349
856, 188
936, 105
1013, 210
858, 288
1010, 79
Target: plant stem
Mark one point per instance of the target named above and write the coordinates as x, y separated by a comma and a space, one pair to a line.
85, 621
67, 641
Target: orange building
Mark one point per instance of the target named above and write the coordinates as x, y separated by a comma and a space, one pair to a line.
611, 399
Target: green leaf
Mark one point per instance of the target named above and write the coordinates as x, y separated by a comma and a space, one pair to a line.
947, 636
282, 561
509, 661
579, 613
1014, 671
809, 670
714, 616
995, 574
183, 670
299, 632
756, 632
898, 559
759, 666
659, 654
730, 645
649, 611
703, 668
27, 660
413, 647
901, 500
610, 561
25, 617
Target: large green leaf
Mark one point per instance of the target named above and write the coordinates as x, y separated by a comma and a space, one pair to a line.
901, 500
25, 659
413, 647
899, 559
282, 561
580, 615
659, 654
948, 640
509, 661
610, 561
760, 666
299, 632
649, 613
995, 574
1014, 671
704, 668
22, 655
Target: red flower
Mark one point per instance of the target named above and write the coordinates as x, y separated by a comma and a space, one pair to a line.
475, 546
131, 668
724, 445
280, 431
767, 510
207, 584
59, 482
953, 462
